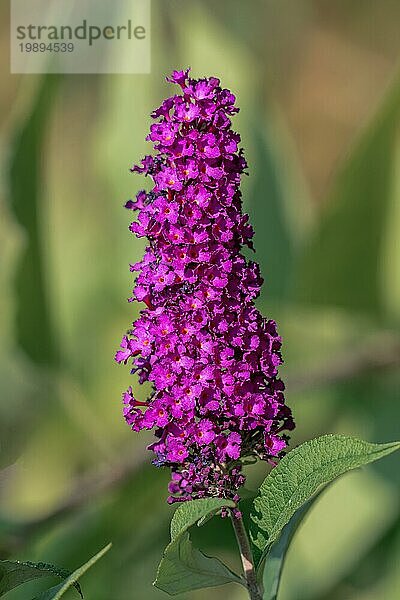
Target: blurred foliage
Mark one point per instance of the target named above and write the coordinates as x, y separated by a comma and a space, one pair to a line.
320, 124
363, 214
34, 335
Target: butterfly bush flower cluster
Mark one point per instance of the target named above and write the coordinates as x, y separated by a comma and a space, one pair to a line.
209, 355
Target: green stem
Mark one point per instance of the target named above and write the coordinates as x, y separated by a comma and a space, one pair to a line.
246, 557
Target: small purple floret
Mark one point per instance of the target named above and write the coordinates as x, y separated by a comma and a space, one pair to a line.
211, 358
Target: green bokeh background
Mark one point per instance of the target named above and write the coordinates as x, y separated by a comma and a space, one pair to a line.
318, 85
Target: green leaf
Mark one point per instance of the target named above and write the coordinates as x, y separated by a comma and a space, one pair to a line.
15, 573
299, 475
57, 591
271, 564
347, 262
190, 513
34, 330
183, 567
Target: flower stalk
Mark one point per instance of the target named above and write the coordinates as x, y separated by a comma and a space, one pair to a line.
246, 556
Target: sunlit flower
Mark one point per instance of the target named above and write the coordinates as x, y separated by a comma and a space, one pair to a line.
210, 356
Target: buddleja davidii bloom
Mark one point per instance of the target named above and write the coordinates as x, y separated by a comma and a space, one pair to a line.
210, 356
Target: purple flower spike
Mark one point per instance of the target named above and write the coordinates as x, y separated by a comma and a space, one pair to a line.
210, 356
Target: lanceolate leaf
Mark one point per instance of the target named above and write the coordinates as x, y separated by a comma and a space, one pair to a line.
270, 568
15, 573
299, 475
58, 591
183, 566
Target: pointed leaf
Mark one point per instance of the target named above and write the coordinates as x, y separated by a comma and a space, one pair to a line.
271, 565
299, 475
58, 591
184, 567
14, 573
